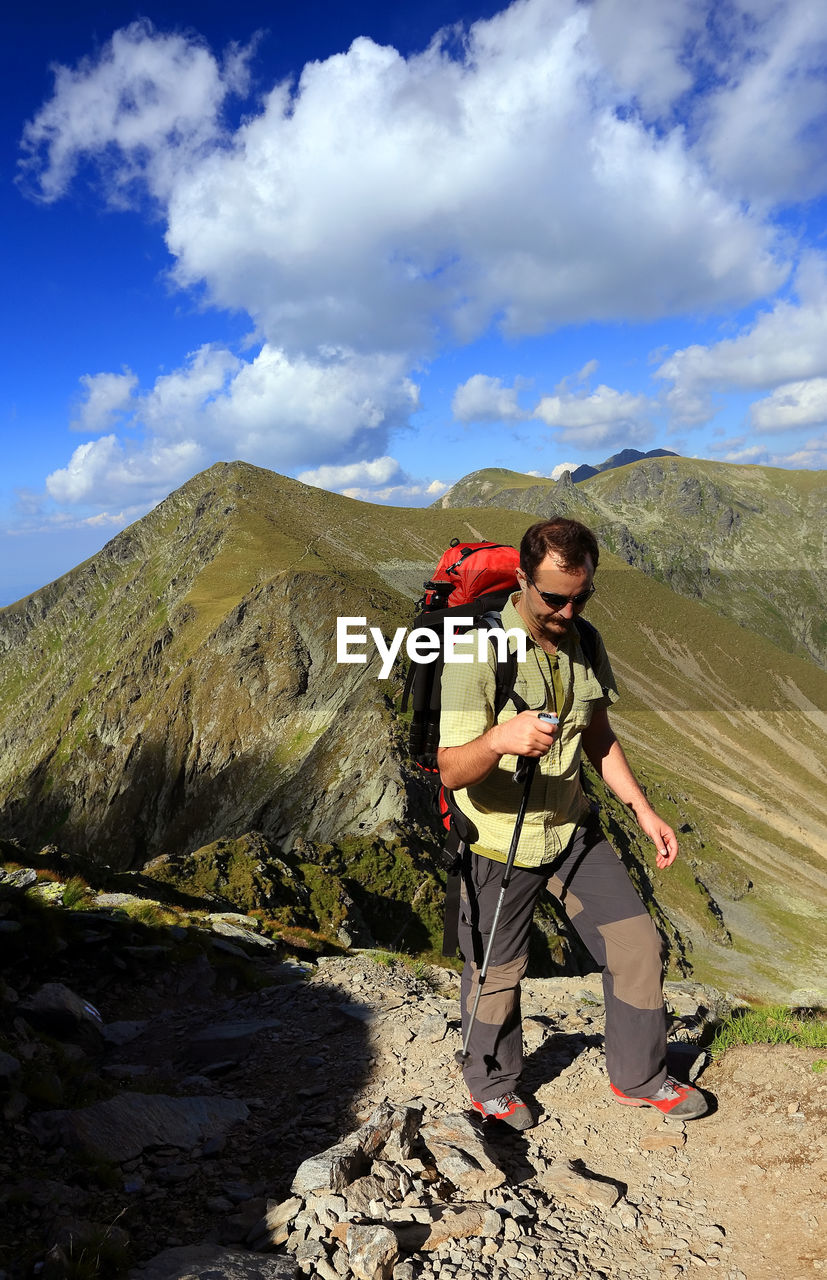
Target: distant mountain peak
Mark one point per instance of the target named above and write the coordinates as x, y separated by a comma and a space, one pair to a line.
622, 459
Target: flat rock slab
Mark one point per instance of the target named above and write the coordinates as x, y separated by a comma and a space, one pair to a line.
227, 930
452, 1224
564, 1180
235, 1030
209, 1262
235, 917
274, 1228
122, 1128
661, 1140
226, 1041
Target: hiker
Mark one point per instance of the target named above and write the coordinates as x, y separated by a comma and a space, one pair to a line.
561, 846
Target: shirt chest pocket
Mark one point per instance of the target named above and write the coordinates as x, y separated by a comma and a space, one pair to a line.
583, 704
586, 694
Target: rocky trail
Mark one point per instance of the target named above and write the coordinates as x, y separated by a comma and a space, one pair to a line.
311, 1122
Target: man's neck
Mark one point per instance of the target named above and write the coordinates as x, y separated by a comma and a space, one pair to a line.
542, 641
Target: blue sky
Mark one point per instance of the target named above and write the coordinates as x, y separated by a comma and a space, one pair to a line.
378, 247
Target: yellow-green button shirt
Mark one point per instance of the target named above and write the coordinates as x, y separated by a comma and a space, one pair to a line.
564, 682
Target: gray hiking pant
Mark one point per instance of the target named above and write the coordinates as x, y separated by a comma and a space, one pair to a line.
600, 900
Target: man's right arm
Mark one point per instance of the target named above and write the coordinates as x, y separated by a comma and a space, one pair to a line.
524, 735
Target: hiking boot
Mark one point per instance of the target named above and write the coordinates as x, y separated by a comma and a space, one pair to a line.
509, 1109
673, 1099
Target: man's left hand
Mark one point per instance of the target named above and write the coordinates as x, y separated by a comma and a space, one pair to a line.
662, 836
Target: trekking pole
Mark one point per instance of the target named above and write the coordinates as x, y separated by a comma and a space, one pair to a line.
523, 773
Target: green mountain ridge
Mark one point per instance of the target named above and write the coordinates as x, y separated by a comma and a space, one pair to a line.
181, 687
750, 541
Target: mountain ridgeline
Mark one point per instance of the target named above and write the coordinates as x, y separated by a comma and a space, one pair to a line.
749, 541
181, 688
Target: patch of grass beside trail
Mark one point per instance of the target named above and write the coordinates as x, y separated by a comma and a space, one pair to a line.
772, 1024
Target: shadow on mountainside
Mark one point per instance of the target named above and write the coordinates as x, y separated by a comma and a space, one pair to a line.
207, 1079
166, 801
107, 830
155, 798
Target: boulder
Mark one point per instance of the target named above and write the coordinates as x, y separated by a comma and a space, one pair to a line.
390, 1130
240, 934
226, 1041
372, 1251
22, 878
330, 1170
62, 1013
461, 1154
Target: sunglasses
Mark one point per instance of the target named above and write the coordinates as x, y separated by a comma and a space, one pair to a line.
557, 602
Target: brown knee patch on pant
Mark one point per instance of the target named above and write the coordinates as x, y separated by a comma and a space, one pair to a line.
634, 959
499, 992
570, 901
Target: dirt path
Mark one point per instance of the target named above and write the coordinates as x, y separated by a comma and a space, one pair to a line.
763, 1157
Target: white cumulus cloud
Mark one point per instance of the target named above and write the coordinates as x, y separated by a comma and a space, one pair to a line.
374, 204
811, 455
605, 417
106, 396
149, 97
376, 480
785, 344
792, 405
560, 163
269, 409
485, 399
379, 471
104, 471
763, 128
759, 121
561, 468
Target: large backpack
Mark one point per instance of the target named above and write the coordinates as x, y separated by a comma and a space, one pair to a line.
472, 580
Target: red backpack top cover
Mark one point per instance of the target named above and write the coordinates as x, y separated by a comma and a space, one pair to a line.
468, 570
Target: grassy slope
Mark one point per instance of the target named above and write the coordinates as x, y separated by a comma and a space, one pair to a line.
748, 540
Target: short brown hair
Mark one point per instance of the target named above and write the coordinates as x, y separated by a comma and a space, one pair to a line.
569, 540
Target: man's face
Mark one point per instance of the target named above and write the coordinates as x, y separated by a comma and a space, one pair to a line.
543, 620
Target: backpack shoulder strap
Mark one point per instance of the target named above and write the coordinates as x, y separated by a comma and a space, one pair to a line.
589, 636
506, 671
